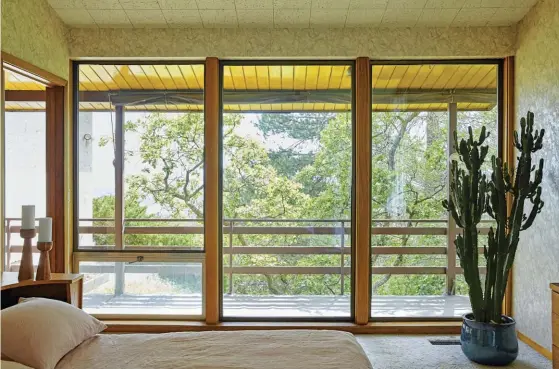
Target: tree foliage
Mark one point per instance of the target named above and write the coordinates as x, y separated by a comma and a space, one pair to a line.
299, 166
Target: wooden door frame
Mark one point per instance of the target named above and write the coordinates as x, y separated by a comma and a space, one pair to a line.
508, 152
55, 102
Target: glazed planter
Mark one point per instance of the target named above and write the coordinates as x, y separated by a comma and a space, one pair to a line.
487, 343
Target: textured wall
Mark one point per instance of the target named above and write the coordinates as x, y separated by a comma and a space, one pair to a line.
299, 43
537, 81
32, 31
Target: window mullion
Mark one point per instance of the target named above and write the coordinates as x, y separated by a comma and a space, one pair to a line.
451, 223
119, 178
119, 196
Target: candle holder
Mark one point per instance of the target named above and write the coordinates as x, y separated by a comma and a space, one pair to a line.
43, 270
26, 263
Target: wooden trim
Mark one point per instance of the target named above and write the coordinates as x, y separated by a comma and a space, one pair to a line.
293, 270
428, 327
70, 184
536, 346
31, 70
119, 178
362, 200
119, 196
435, 231
25, 95
508, 154
55, 124
2, 168
452, 230
212, 214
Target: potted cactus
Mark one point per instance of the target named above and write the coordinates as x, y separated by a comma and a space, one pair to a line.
489, 337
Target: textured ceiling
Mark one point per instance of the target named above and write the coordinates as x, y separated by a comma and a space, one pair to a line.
290, 13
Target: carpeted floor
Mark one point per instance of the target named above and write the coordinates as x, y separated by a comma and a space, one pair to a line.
416, 352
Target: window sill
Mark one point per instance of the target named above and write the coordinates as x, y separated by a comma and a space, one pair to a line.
166, 326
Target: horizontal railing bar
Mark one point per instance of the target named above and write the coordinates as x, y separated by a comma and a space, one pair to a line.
277, 250
409, 231
331, 270
408, 270
138, 268
290, 250
96, 230
482, 270
285, 270
19, 248
228, 220
407, 250
163, 230
268, 230
140, 248
156, 220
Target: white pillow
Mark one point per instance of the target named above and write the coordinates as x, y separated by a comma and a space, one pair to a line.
12, 365
39, 332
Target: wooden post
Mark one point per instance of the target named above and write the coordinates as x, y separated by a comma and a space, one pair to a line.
231, 257
508, 153
212, 216
362, 201
56, 194
342, 259
119, 197
451, 223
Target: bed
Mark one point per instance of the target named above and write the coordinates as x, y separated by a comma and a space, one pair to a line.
302, 349
48, 334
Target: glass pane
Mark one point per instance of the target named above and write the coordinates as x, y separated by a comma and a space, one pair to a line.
410, 130
287, 174
142, 288
96, 179
162, 179
25, 176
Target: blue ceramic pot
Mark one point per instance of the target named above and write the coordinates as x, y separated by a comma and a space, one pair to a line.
489, 344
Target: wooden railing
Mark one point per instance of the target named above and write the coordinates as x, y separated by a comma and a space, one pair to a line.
336, 228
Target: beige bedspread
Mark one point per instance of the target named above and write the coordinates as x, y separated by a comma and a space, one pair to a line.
302, 349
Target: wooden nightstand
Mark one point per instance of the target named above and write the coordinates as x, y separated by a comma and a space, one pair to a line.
63, 287
555, 323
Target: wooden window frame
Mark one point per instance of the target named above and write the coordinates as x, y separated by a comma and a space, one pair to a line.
361, 209
504, 74
353, 64
55, 102
120, 253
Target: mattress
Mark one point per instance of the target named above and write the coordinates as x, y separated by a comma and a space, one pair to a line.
298, 349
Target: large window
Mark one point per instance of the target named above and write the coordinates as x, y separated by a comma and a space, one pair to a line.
287, 190
284, 146
140, 146
416, 109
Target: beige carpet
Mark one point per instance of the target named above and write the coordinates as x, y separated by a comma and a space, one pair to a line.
416, 352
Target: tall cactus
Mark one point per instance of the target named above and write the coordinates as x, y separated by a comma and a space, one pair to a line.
472, 194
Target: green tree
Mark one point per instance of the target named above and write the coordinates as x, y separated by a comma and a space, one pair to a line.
305, 174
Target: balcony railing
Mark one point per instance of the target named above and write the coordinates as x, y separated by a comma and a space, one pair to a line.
337, 228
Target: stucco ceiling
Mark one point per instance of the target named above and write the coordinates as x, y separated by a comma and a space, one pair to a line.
290, 13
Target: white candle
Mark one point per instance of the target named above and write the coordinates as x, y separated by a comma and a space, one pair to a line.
45, 230
28, 217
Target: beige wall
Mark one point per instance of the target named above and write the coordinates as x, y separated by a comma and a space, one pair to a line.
537, 89
32, 31
294, 43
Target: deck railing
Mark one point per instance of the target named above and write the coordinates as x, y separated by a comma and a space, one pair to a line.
339, 229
